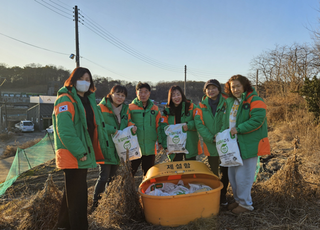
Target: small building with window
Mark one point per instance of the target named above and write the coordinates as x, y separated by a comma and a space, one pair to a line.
40, 113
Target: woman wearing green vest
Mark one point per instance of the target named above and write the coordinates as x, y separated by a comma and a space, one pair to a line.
115, 114
180, 110
209, 121
246, 117
80, 139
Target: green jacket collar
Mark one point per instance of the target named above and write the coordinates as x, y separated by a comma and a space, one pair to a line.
107, 102
139, 103
205, 101
246, 95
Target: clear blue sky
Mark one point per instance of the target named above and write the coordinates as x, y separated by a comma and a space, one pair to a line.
214, 38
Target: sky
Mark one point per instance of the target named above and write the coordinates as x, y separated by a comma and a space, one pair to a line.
153, 40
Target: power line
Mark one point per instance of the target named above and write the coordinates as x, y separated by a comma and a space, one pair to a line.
33, 45
100, 31
57, 7
62, 54
118, 41
103, 33
52, 9
106, 35
60, 5
129, 52
65, 4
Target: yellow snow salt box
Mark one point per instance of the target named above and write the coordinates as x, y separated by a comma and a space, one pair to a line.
180, 209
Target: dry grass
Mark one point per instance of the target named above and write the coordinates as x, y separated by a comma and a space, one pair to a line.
6, 136
12, 149
120, 205
281, 109
42, 210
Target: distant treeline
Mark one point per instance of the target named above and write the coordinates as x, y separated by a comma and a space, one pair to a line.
30, 75
33, 74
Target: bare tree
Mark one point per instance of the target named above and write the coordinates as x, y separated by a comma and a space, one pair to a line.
284, 69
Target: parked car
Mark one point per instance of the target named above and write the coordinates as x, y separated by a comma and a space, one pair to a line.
50, 129
25, 126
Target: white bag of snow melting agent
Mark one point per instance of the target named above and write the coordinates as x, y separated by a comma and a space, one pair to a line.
228, 149
125, 141
176, 138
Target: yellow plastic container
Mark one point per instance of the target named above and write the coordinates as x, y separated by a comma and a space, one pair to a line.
180, 209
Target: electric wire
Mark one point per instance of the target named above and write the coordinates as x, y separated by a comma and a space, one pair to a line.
138, 57
100, 31
94, 27
52, 10
106, 35
33, 45
56, 7
118, 41
60, 5
65, 4
63, 54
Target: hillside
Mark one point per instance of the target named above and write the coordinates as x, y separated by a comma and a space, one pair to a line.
40, 89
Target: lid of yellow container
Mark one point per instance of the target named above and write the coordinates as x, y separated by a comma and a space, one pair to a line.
178, 168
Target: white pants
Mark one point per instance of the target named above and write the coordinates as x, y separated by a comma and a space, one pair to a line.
241, 179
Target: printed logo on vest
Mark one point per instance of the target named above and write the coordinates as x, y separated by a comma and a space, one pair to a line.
246, 106
63, 108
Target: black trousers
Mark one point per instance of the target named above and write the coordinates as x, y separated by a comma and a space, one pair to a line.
73, 211
214, 162
180, 156
147, 162
106, 174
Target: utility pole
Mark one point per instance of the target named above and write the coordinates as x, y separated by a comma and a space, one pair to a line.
77, 36
185, 80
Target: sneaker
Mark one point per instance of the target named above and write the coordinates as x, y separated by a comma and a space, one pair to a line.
239, 210
223, 200
233, 206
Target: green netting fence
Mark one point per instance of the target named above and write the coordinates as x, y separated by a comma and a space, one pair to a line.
26, 159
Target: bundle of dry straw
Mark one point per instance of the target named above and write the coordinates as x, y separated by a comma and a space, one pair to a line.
42, 210
120, 205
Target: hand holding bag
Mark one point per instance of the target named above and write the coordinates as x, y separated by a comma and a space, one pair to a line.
125, 141
176, 138
228, 149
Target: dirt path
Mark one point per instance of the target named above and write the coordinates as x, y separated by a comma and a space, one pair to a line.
5, 165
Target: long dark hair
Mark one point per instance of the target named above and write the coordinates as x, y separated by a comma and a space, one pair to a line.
76, 74
245, 82
170, 103
117, 89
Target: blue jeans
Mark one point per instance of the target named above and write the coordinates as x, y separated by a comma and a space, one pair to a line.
106, 174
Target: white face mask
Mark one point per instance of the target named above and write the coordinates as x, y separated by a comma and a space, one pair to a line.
82, 86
